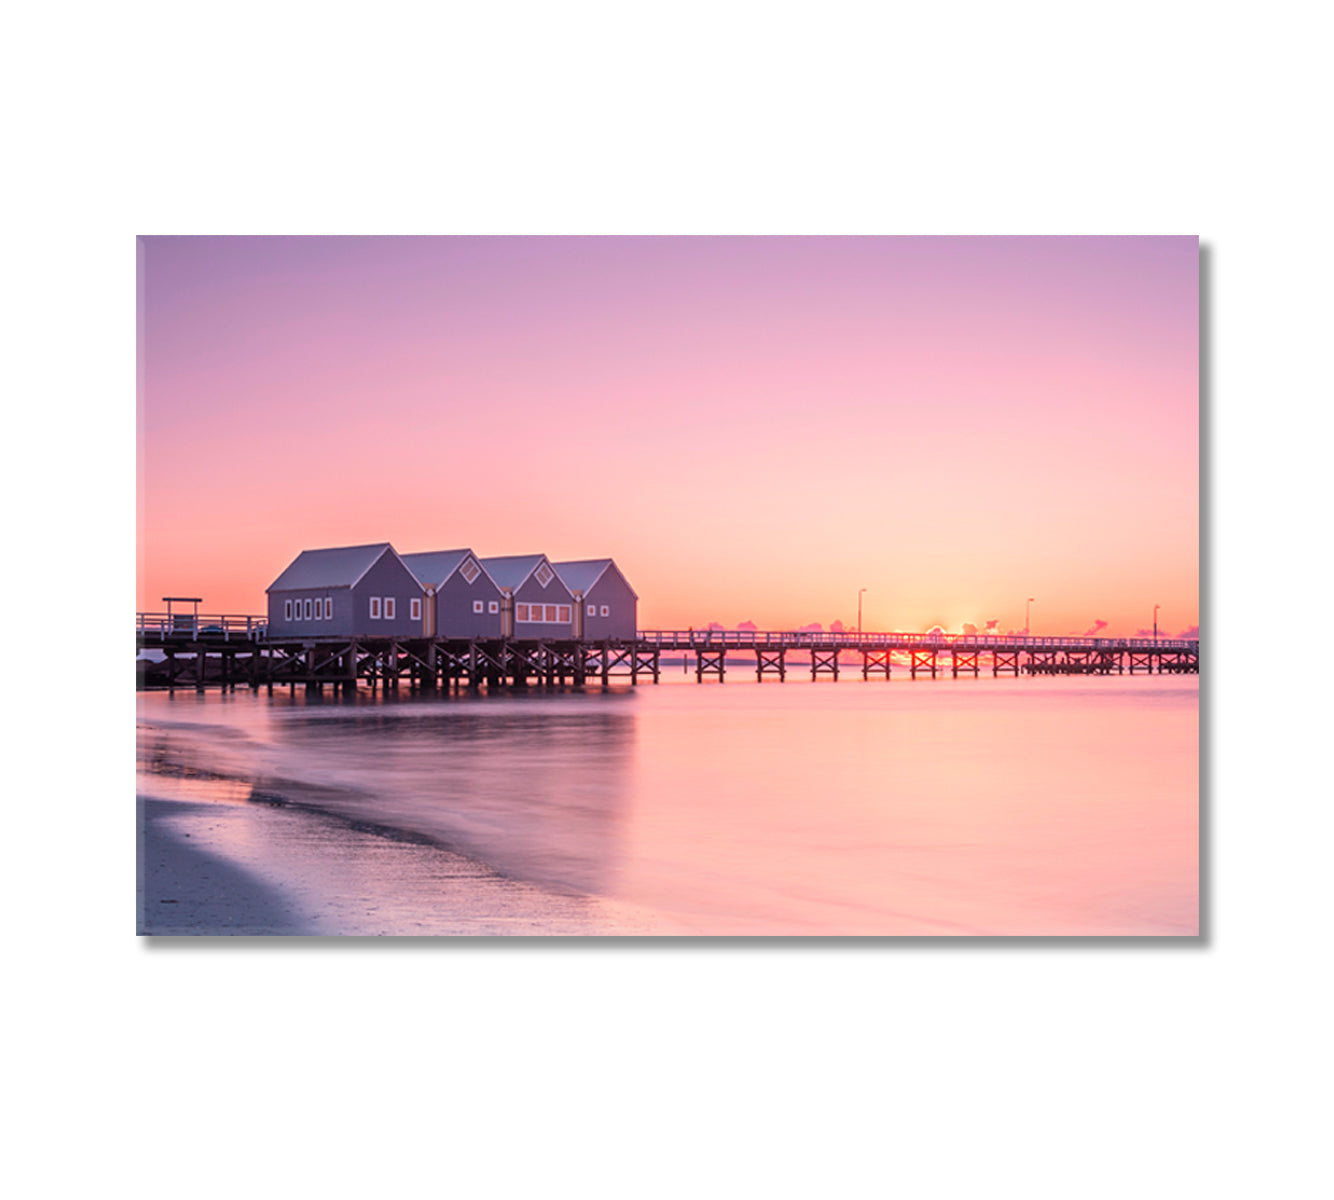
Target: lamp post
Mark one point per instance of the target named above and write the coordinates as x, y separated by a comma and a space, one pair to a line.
859, 612
1156, 607
1026, 624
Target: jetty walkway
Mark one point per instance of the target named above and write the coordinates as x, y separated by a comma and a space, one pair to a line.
229, 650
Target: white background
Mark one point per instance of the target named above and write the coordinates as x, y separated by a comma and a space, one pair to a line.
830, 1069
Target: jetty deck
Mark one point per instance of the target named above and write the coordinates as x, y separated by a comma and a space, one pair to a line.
231, 650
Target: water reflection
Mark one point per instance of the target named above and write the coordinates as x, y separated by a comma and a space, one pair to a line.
534, 785
1044, 806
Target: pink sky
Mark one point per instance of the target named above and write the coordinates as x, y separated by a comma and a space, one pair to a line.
753, 427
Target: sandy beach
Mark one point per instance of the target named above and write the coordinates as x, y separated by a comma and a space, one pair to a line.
187, 889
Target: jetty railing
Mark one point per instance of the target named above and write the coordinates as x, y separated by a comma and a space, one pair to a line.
743, 639
228, 627
236, 627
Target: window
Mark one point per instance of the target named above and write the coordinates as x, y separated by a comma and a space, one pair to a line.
521, 612
375, 608
389, 608
306, 606
477, 606
287, 610
544, 575
328, 608
592, 610
493, 606
606, 612
470, 570
563, 613
415, 608
551, 613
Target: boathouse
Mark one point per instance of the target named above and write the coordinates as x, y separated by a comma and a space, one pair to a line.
461, 599
346, 591
534, 602
605, 605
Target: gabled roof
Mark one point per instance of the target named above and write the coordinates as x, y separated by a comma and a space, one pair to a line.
512, 572
339, 566
433, 567
581, 576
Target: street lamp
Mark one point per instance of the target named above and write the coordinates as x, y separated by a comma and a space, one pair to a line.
1026, 625
1156, 607
859, 612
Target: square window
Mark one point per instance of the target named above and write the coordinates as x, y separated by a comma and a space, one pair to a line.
592, 610
287, 610
375, 608
306, 607
477, 606
415, 609
521, 612
328, 608
493, 606
563, 613
606, 612
389, 608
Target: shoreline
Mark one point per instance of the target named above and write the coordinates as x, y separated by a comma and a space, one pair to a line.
246, 867
225, 852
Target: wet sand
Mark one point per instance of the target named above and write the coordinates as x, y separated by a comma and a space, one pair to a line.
185, 889
235, 868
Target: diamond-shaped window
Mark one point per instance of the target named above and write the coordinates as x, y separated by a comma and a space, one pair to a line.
470, 570
545, 575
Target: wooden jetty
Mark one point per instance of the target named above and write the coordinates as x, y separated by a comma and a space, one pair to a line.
227, 651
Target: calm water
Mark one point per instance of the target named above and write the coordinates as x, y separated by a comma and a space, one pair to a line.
1031, 806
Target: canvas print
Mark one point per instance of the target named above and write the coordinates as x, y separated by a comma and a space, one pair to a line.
668, 587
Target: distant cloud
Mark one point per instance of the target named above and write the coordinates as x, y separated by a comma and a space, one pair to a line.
991, 626
748, 626
1097, 628
1191, 631
936, 629
716, 625
969, 629
835, 626
816, 628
